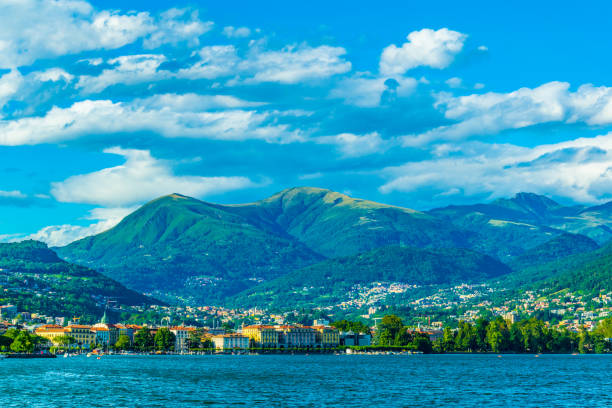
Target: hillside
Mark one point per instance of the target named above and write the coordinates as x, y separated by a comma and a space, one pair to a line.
185, 250
189, 249
35, 279
332, 281
560, 247
335, 224
536, 212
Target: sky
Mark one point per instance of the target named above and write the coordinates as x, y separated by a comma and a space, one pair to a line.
105, 105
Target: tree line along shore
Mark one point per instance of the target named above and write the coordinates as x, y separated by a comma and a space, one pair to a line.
389, 335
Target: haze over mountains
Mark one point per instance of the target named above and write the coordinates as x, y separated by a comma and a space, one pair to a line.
187, 250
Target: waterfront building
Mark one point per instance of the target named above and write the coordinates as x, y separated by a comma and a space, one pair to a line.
51, 332
231, 341
351, 338
326, 336
106, 334
262, 335
181, 338
296, 336
82, 334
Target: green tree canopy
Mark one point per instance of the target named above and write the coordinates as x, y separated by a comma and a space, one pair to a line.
123, 342
164, 339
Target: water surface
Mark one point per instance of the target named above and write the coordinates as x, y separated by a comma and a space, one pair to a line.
309, 381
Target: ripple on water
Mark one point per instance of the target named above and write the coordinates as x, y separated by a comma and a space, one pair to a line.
308, 381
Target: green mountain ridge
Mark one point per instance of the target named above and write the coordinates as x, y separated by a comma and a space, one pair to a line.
188, 251
329, 281
189, 248
35, 279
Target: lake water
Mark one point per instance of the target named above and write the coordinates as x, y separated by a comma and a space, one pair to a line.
309, 381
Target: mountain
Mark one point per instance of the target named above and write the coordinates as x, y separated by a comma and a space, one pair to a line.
190, 249
35, 279
193, 250
185, 250
335, 224
560, 247
530, 211
588, 272
332, 281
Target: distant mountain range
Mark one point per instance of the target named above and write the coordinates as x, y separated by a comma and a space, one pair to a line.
186, 250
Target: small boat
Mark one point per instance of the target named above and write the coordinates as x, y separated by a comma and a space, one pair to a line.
66, 355
88, 354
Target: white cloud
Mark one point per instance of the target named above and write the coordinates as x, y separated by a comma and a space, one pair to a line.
105, 117
12, 194
426, 47
295, 64
53, 75
491, 113
366, 90
177, 25
141, 178
34, 29
60, 235
233, 32
580, 169
351, 145
195, 102
454, 82
479, 85
9, 85
215, 61
128, 70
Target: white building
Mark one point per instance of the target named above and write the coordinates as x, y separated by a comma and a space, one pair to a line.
231, 341
181, 341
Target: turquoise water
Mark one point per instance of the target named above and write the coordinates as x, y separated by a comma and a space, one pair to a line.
309, 381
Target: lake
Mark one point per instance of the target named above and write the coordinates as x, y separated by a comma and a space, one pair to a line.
309, 381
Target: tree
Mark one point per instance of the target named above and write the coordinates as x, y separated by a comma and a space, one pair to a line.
143, 340
123, 342
65, 341
389, 328
605, 328
23, 343
5, 342
466, 337
347, 325
448, 340
164, 339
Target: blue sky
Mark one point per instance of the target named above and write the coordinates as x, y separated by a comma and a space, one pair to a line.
105, 106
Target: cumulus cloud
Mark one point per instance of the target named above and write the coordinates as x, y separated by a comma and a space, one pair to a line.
128, 70
9, 85
580, 169
60, 235
105, 117
141, 178
454, 82
367, 90
53, 75
62, 27
215, 61
293, 64
233, 32
435, 49
491, 113
177, 25
351, 145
